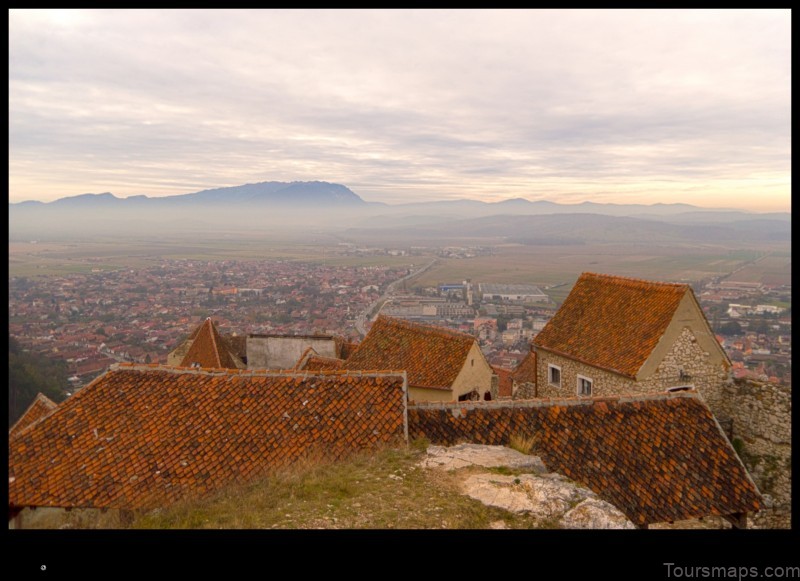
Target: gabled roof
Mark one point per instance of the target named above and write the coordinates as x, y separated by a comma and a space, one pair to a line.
657, 458
142, 436
310, 360
525, 372
209, 349
41, 406
612, 322
432, 356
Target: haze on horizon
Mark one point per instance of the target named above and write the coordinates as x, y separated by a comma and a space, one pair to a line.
610, 106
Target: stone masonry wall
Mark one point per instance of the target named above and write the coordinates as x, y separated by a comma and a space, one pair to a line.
685, 354
762, 435
688, 356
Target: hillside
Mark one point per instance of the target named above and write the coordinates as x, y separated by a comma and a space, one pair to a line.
29, 374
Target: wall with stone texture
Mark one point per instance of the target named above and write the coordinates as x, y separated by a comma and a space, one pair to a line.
525, 390
705, 372
762, 434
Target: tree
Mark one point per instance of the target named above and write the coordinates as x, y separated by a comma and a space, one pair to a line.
30, 374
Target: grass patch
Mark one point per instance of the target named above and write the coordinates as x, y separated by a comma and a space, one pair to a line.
377, 490
523, 443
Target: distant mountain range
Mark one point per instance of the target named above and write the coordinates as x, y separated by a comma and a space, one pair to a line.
294, 194
300, 206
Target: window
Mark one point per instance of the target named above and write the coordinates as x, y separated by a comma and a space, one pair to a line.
554, 375
584, 385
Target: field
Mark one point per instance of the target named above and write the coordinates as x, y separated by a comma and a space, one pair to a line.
775, 269
561, 265
42, 259
545, 266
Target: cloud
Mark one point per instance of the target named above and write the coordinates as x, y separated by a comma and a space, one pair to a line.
460, 102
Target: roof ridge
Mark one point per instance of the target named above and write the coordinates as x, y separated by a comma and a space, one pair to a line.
434, 329
177, 370
635, 281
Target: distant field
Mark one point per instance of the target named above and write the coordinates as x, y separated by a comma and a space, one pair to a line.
546, 266
27, 259
510, 263
770, 270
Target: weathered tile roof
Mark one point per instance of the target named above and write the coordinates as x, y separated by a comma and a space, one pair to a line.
209, 349
238, 345
432, 356
344, 348
525, 372
612, 322
41, 406
142, 436
657, 458
505, 386
310, 360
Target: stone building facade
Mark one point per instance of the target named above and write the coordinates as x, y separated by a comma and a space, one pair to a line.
616, 336
701, 371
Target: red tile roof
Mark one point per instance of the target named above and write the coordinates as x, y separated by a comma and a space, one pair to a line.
612, 322
41, 407
310, 360
525, 372
142, 436
656, 458
432, 356
505, 386
209, 349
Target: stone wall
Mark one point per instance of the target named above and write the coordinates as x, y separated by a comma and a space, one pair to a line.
686, 354
703, 371
762, 435
525, 390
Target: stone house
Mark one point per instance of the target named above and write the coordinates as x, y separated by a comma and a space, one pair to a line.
442, 365
615, 335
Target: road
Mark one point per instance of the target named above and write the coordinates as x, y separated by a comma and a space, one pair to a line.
388, 293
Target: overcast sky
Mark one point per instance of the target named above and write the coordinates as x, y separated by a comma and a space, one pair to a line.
638, 106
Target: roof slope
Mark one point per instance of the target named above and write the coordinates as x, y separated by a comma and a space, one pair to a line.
432, 356
41, 406
612, 322
525, 372
656, 458
143, 436
310, 360
209, 349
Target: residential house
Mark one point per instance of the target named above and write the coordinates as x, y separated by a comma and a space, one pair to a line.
442, 365
615, 335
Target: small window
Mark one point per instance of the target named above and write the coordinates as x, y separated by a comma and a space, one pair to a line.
554, 375
584, 385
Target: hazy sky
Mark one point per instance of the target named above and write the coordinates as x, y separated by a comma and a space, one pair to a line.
621, 106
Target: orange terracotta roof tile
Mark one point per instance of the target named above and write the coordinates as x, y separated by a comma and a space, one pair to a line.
432, 356
209, 349
310, 360
141, 437
525, 372
612, 322
41, 407
656, 458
